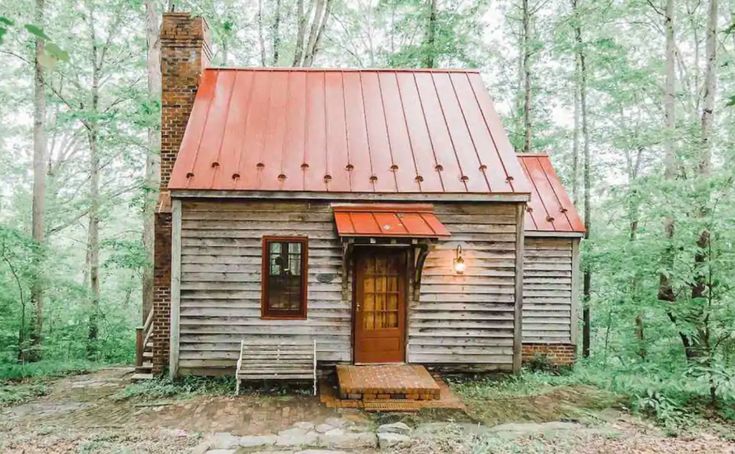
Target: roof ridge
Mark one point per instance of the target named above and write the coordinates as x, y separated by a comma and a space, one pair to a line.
299, 69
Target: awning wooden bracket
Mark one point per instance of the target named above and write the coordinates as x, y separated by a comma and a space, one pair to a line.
347, 244
422, 250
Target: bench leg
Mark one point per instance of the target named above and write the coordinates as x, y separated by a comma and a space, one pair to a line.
237, 386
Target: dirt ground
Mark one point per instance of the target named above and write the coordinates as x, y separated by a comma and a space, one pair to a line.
83, 413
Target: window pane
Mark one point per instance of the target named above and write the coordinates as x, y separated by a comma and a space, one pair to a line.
284, 284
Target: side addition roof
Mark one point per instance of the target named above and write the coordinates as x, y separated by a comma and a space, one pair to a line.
349, 131
550, 208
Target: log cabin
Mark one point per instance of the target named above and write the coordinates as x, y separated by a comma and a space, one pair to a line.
382, 214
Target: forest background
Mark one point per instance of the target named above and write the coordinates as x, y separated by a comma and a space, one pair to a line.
634, 101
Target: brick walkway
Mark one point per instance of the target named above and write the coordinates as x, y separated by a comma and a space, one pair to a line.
400, 381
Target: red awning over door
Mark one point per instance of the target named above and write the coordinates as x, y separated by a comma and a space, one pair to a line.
388, 220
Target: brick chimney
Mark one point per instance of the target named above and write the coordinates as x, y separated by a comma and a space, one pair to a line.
185, 52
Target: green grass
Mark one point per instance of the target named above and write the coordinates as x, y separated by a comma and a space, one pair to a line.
23, 382
668, 397
13, 394
164, 388
46, 368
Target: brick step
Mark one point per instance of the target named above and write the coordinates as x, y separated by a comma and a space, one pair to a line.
384, 383
147, 354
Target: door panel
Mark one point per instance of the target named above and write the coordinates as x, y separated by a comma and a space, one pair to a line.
380, 313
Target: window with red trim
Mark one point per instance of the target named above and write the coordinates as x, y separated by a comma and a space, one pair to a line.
284, 277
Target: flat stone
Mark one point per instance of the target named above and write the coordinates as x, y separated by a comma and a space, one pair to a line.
338, 438
253, 441
221, 451
304, 425
336, 422
388, 440
524, 428
395, 428
321, 428
320, 451
201, 448
296, 437
224, 440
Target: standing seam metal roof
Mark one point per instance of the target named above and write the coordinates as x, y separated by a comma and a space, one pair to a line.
550, 209
322, 130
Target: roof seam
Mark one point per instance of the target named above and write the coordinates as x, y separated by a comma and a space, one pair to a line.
449, 134
224, 127
201, 134
553, 190
469, 133
387, 134
508, 177
428, 132
244, 130
408, 134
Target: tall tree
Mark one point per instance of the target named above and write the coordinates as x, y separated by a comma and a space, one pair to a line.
39, 189
701, 281
153, 158
276, 33
430, 36
587, 183
526, 73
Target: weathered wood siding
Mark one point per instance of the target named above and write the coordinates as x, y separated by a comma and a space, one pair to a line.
469, 318
458, 320
221, 280
547, 290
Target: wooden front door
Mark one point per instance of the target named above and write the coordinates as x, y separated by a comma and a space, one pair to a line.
380, 312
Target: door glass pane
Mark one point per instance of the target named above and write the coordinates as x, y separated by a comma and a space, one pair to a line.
380, 305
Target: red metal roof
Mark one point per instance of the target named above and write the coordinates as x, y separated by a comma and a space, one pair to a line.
550, 209
392, 220
390, 131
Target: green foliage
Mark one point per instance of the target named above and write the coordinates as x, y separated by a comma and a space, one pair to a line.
19, 393
46, 368
185, 387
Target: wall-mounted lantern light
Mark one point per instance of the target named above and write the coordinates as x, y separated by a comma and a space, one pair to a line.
459, 261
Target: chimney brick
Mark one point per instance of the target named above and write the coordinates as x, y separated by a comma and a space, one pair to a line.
185, 52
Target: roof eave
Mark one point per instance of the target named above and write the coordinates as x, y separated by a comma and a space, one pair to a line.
343, 196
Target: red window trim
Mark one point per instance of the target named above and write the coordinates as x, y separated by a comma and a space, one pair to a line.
265, 313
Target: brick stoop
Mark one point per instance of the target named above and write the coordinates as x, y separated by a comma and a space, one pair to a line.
386, 382
329, 396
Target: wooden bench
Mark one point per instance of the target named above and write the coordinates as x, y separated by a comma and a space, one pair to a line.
286, 359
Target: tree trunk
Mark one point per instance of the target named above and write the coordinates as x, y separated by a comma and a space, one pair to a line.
700, 285
261, 36
526, 48
575, 141
320, 32
587, 183
665, 288
34, 352
153, 158
276, 33
93, 246
300, 32
430, 37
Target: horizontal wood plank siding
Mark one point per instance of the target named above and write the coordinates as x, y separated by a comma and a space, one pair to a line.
457, 321
547, 290
468, 319
221, 281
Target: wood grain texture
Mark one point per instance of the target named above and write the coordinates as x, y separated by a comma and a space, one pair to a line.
465, 320
468, 319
